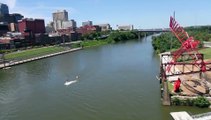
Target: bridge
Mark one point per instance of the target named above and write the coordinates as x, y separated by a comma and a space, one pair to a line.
155, 30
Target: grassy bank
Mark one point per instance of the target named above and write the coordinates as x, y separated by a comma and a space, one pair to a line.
206, 52
35, 52
113, 37
25, 54
91, 43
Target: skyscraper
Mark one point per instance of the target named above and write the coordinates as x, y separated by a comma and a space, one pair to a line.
58, 18
4, 9
60, 15
89, 23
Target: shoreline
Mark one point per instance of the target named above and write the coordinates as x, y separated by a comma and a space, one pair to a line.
9, 64
37, 58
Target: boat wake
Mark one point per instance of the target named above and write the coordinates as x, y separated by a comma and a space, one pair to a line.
67, 83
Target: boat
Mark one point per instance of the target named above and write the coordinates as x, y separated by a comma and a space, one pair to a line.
69, 82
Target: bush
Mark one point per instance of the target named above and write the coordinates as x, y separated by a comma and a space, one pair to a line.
201, 102
176, 101
189, 102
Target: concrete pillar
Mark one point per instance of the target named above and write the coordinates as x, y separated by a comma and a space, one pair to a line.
139, 35
166, 96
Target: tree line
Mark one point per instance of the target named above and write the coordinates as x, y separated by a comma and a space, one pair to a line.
167, 41
112, 36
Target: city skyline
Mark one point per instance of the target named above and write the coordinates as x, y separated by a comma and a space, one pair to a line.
141, 13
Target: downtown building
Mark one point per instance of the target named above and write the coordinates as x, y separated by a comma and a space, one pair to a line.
87, 23
105, 27
31, 26
125, 27
69, 24
11, 20
58, 18
63, 27
4, 9
60, 21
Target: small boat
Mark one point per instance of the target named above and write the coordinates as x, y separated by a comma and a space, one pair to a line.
69, 82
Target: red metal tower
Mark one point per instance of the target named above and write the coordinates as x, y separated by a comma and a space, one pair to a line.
188, 46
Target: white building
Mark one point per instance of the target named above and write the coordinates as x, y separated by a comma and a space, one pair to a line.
69, 24
57, 24
58, 18
125, 27
105, 27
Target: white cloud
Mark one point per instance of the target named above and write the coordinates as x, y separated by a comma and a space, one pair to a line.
10, 3
40, 10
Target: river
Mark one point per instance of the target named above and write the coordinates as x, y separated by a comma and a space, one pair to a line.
116, 82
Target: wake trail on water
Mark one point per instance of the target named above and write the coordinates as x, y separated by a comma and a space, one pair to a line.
67, 83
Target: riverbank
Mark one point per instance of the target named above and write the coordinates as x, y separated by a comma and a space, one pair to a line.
31, 54
34, 52
24, 56
92, 43
11, 63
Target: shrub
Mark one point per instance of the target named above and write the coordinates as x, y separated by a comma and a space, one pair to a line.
189, 102
176, 101
201, 102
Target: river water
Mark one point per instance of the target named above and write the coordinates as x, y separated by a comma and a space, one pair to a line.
116, 82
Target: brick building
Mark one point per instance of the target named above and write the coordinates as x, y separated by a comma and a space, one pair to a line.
32, 26
88, 29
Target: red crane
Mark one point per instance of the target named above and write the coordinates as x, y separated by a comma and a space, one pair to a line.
188, 45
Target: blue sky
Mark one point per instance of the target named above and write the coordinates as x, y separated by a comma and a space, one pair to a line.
140, 13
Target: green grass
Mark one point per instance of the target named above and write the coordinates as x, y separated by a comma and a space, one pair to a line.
206, 52
170, 86
91, 43
35, 52
25, 54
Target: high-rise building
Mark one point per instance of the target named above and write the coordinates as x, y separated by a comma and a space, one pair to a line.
60, 15
58, 18
87, 23
4, 9
69, 24
73, 23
